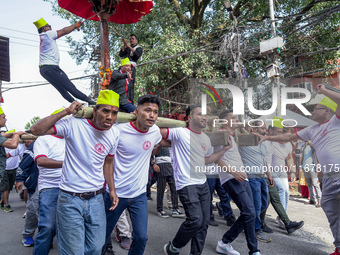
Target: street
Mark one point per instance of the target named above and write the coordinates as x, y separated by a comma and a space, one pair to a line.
313, 239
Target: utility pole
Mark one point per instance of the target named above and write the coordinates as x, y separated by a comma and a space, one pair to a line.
275, 57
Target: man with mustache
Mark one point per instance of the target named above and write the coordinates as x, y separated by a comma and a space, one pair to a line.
192, 152
325, 137
90, 145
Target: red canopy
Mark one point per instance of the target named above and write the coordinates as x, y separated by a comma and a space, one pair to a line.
127, 12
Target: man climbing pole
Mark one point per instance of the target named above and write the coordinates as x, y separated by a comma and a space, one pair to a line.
49, 61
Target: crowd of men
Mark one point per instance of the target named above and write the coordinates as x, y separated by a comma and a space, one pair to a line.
88, 172
74, 201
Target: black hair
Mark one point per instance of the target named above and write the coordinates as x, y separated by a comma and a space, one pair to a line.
191, 108
134, 36
40, 30
270, 127
149, 99
225, 113
257, 123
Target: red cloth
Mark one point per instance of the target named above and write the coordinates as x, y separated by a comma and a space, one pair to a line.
304, 191
127, 12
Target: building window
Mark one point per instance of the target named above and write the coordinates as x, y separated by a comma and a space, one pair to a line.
304, 85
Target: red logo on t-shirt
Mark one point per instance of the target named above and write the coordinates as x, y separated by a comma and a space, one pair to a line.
324, 132
146, 145
204, 146
99, 148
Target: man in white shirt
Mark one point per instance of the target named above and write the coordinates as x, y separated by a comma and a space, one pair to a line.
234, 180
5, 142
325, 137
280, 152
12, 163
49, 60
90, 147
49, 153
131, 168
255, 160
192, 152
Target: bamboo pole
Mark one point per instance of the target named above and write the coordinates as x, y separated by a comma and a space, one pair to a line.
25, 137
87, 113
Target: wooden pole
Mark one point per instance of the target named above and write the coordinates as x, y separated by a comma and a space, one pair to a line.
104, 44
87, 113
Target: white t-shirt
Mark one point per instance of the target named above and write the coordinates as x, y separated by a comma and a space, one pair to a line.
51, 147
132, 159
190, 150
326, 140
49, 53
280, 153
85, 152
233, 159
15, 156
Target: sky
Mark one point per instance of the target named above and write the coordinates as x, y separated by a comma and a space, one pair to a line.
21, 105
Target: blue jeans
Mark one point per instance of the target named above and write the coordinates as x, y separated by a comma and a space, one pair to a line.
259, 189
138, 210
283, 189
129, 107
240, 193
196, 203
48, 199
215, 184
80, 224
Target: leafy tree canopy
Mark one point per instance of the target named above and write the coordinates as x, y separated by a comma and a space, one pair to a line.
309, 28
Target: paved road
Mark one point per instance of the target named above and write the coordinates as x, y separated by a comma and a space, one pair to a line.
313, 239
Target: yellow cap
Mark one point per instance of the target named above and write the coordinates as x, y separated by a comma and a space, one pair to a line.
108, 97
1, 111
326, 101
10, 131
57, 111
277, 122
125, 61
40, 23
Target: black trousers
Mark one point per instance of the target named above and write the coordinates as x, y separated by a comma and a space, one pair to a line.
161, 184
54, 75
151, 181
241, 194
196, 203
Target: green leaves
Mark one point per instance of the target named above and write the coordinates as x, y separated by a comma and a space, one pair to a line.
177, 26
32, 122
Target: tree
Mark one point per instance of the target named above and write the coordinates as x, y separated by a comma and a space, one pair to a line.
178, 26
32, 122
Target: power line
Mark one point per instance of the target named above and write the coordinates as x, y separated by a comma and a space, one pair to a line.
23, 32
36, 46
36, 41
47, 83
34, 82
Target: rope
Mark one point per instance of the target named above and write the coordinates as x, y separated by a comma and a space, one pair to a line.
172, 101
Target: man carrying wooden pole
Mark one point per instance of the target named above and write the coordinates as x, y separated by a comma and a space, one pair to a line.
90, 147
192, 152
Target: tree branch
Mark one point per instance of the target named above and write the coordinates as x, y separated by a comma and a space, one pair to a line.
184, 19
197, 12
310, 6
